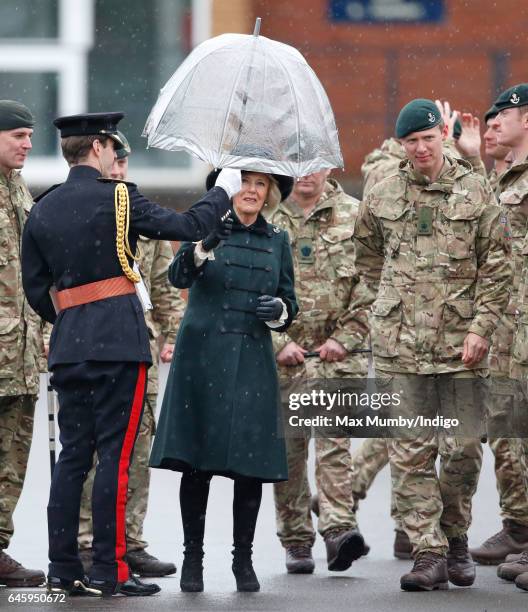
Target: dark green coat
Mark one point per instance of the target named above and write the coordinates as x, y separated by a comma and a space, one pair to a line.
221, 410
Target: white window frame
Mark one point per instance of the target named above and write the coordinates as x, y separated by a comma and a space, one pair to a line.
67, 56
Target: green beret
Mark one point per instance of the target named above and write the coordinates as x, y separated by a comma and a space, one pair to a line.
416, 116
491, 113
513, 97
15, 115
124, 150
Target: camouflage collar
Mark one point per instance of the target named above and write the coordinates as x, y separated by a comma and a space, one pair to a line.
6, 180
452, 170
520, 166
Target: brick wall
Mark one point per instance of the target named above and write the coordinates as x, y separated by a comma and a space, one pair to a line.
370, 71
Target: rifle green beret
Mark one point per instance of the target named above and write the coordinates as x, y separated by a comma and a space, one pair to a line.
513, 97
491, 113
416, 116
15, 115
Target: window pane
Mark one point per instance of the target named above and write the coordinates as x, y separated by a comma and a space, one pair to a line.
138, 45
38, 91
29, 19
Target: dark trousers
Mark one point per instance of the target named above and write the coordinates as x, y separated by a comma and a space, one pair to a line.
101, 404
194, 493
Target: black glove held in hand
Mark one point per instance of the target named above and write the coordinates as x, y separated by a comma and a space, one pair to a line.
221, 232
269, 308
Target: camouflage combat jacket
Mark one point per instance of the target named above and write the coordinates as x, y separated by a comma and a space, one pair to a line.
384, 162
20, 336
436, 260
167, 301
512, 193
513, 187
326, 282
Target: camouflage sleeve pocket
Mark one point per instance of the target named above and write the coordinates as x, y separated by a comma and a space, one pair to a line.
340, 249
4, 238
385, 322
460, 228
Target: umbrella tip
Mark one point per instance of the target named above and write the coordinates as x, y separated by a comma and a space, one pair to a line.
256, 31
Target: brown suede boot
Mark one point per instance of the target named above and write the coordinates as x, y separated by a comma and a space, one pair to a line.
343, 547
428, 573
512, 538
522, 581
510, 571
402, 545
299, 559
13, 574
460, 566
512, 557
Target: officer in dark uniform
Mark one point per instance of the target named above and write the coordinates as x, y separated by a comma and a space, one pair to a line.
78, 246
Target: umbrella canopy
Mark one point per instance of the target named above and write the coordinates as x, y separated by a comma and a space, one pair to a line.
239, 92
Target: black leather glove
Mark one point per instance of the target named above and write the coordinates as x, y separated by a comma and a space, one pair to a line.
221, 232
269, 308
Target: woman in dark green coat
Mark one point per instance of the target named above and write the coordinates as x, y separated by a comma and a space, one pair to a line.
221, 411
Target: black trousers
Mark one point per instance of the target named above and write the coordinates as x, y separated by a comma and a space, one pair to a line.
194, 493
101, 404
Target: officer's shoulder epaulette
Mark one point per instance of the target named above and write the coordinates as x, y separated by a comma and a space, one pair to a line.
45, 193
115, 181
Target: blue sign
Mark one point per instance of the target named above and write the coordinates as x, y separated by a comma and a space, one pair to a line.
376, 11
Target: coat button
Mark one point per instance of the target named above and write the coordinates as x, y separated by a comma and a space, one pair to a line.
222, 329
268, 268
225, 306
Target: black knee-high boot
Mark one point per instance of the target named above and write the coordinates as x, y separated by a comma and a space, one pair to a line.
194, 491
246, 504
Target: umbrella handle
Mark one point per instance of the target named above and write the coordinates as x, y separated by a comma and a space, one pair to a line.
256, 31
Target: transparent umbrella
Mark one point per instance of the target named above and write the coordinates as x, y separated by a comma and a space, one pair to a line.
236, 93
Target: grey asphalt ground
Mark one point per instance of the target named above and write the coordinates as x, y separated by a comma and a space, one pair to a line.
371, 584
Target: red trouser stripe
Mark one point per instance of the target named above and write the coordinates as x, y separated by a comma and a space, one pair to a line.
122, 474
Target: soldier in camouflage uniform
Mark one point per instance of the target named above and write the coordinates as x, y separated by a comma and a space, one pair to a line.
20, 336
372, 456
512, 106
162, 322
319, 218
513, 537
433, 249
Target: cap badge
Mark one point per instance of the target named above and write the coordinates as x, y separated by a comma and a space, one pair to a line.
431, 118
515, 99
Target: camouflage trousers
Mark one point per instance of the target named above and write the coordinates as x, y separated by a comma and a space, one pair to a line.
16, 432
513, 497
433, 507
520, 445
138, 487
334, 487
373, 455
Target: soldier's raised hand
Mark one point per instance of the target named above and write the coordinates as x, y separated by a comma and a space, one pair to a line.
449, 118
470, 140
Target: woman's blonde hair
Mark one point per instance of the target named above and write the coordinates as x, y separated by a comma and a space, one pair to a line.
274, 197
